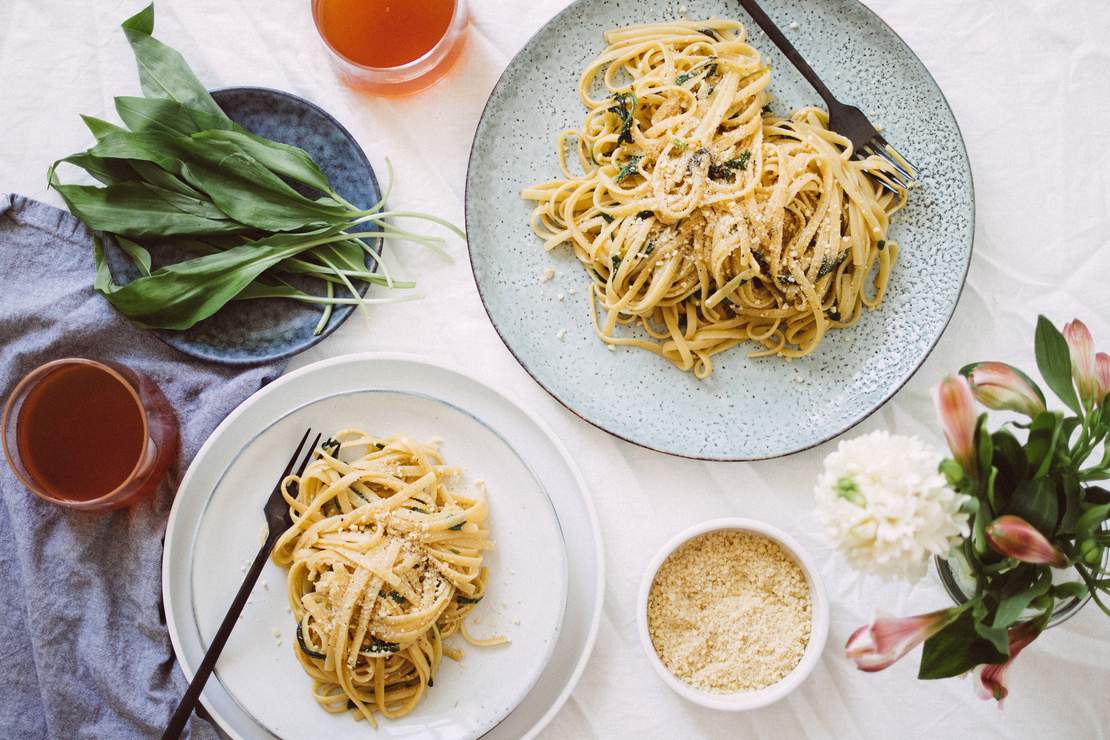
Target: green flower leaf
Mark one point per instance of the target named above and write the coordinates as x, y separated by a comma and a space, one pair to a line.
1021, 589
1054, 362
1035, 501
957, 649
1040, 445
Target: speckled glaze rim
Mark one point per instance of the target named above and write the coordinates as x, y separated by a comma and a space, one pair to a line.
970, 238
341, 313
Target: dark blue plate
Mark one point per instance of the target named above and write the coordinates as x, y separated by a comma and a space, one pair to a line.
264, 330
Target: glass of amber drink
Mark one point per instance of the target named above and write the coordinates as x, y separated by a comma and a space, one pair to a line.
392, 47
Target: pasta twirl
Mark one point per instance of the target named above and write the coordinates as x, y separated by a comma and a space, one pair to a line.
385, 562
704, 218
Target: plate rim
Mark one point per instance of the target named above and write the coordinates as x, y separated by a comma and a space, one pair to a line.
339, 315
853, 421
584, 495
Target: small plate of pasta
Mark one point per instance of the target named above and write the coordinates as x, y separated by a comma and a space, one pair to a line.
423, 584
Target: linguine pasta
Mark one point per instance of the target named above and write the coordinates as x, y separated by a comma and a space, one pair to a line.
385, 561
702, 217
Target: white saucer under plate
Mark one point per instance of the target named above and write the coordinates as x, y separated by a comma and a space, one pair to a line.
545, 570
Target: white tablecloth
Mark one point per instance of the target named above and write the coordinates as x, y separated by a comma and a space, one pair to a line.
1029, 81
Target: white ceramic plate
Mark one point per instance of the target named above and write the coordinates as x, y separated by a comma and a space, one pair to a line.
750, 408
259, 689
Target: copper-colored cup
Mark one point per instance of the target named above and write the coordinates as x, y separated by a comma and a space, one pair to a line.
159, 424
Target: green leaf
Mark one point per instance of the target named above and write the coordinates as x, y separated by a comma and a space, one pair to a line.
138, 254
174, 119
1009, 455
178, 296
1091, 521
989, 487
249, 192
1035, 501
107, 171
287, 161
984, 446
996, 636
1054, 362
132, 209
983, 517
159, 178
1071, 494
157, 115
1040, 446
1022, 587
101, 128
141, 22
237, 184
957, 649
1069, 590
145, 146
163, 72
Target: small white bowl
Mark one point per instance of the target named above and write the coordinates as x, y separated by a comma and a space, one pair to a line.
819, 614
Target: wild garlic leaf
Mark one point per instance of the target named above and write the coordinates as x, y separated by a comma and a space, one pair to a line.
163, 72
177, 296
131, 209
101, 128
107, 171
158, 115
287, 161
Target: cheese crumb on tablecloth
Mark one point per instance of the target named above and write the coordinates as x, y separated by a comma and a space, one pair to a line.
730, 611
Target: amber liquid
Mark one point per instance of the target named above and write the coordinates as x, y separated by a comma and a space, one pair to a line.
384, 33
80, 433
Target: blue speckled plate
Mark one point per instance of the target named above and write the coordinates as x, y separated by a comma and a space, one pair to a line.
750, 408
250, 332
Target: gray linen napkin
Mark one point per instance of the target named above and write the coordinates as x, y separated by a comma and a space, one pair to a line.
83, 645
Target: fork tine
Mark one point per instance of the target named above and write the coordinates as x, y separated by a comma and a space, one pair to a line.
293, 459
885, 156
859, 154
308, 455
897, 154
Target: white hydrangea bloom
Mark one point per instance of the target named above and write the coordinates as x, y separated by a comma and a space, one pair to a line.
882, 501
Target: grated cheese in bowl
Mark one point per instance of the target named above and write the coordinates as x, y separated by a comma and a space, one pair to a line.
732, 615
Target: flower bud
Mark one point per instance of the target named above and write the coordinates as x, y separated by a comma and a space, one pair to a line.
880, 644
990, 679
1102, 370
1090, 552
1081, 349
1001, 387
956, 409
1016, 538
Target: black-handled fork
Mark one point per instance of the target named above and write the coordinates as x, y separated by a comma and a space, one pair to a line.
277, 521
847, 120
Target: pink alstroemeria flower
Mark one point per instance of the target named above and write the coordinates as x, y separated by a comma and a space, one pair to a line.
1081, 349
880, 644
1001, 387
1102, 369
990, 679
956, 409
1014, 537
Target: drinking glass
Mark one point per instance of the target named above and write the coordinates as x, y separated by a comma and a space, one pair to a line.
406, 78
159, 425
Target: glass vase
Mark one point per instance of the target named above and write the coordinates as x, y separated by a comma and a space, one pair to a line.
958, 580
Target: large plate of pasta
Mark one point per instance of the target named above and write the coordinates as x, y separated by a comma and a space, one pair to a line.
671, 241
441, 576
